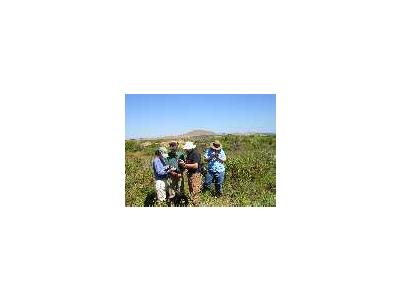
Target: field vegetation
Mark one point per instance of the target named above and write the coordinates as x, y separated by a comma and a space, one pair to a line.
250, 178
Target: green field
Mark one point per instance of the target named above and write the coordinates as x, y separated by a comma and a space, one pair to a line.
250, 178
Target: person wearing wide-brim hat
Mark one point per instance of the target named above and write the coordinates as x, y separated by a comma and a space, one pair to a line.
216, 158
161, 171
175, 178
192, 165
216, 145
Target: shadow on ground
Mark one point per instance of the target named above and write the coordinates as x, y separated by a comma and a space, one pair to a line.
151, 201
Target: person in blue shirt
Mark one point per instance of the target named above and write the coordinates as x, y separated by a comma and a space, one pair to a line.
161, 171
216, 158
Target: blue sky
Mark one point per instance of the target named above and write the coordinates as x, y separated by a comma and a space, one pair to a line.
161, 115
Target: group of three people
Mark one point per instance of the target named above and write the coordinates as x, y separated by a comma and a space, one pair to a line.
169, 168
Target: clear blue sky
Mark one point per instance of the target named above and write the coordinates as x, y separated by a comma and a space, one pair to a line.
161, 115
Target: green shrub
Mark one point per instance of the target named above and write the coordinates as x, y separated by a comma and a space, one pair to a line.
132, 146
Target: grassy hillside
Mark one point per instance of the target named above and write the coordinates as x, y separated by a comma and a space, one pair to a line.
250, 178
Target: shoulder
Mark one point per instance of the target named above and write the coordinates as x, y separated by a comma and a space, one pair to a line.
196, 154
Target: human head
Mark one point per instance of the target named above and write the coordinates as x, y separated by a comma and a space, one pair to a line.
173, 146
189, 146
162, 151
216, 145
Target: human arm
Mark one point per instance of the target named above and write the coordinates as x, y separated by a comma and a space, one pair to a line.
221, 157
191, 166
188, 166
194, 159
175, 174
207, 156
159, 168
211, 155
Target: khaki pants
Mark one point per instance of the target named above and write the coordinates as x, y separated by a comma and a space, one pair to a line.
194, 182
175, 186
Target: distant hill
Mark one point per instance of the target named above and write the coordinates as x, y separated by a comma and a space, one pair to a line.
198, 132
201, 132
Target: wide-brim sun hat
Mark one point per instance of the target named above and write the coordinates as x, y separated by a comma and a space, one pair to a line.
216, 145
162, 150
189, 146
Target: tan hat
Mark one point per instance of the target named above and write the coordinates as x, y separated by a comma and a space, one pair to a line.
216, 145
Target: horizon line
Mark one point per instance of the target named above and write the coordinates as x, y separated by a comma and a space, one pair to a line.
185, 134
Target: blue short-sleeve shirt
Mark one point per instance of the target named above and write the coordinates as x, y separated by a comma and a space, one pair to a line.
215, 165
